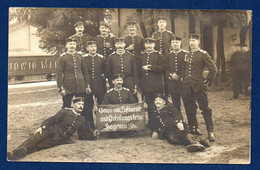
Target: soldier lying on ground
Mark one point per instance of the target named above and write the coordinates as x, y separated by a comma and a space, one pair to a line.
168, 123
55, 130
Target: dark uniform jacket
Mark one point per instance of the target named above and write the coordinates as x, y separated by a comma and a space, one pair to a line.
194, 67
166, 119
123, 63
123, 96
138, 42
175, 64
101, 48
163, 41
64, 124
72, 73
151, 81
241, 61
96, 69
81, 42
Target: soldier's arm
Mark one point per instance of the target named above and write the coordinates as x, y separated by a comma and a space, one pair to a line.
85, 72
211, 66
167, 72
176, 114
60, 66
52, 120
106, 99
160, 65
109, 66
134, 70
131, 97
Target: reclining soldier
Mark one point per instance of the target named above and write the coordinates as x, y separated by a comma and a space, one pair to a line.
168, 123
55, 130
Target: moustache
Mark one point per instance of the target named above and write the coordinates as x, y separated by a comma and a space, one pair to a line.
119, 84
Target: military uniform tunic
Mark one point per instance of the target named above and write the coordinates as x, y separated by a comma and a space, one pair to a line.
138, 42
81, 42
122, 96
125, 64
101, 48
163, 41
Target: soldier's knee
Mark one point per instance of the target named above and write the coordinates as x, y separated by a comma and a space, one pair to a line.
206, 111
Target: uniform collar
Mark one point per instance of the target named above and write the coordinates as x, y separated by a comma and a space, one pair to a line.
131, 35
162, 31
195, 50
104, 36
149, 52
175, 52
118, 89
92, 55
75, 112
121, 53
160, 108
71, 53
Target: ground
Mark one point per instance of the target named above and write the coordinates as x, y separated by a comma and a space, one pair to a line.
29, 105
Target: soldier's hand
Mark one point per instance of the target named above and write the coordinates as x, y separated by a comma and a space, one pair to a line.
146, 67
39, 130
180, 126
130, 47
107, 44
207, 82
135, 91
175, 76
95, 108
155, 135
145, 105
88, 90
63, 92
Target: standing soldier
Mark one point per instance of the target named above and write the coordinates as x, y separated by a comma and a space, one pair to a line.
80, 38
96, 68
105, 40
175, 61
195, 85
72, 74
134, 42
123, 62
162, 36
152, 66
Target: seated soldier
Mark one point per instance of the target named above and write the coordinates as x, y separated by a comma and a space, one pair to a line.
55, 130
168, 123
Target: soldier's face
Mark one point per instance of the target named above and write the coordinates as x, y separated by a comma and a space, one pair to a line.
120, 45
131, 29
194, 43
159, 102
92, 48
79, 29
71, 46
162, 23
149, 46
176, 45
78, 106
118, 82
103, 29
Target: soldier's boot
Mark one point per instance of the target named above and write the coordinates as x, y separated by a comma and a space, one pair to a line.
195, 130
17, 153
204, 141
193, 124
207, 114
194, 145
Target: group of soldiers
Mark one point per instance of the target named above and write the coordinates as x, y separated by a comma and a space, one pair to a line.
113, 70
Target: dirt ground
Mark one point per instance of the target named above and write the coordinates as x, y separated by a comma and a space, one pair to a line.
29, 106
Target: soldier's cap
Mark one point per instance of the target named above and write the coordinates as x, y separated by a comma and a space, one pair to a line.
103, 23
79, 22
161, 18
161, 96
118, 75
241, 45
91, 42
149, 40
78, 99
175, 37
119, 39
194, 36
70, 39
131, 22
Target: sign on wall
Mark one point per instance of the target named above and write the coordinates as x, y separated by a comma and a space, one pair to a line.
31, 65
121, 117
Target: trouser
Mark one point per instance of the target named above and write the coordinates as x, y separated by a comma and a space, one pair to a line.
88, 108
240, 79
149, 99
189, 100
67, 99
176, 136
176, 100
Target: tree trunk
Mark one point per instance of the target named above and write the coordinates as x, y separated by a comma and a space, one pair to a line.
191, 23
141, 23
152, 22
172, 21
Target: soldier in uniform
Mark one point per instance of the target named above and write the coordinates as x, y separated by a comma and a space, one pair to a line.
118, 94
105, 40
123, 62
169, 124
175, 61
96, 68
162, 36
152, 67
240, 63
134, 42
72, 74
80, 37
195, 85
55, 130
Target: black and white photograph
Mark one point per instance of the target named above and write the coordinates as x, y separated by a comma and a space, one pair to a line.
160, 86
